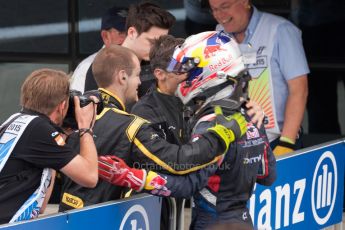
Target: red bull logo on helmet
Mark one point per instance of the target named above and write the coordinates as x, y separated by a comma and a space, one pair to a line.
213, 45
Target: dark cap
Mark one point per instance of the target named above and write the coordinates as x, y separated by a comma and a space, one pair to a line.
115, 17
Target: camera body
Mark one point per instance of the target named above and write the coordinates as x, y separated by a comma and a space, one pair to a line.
84, 99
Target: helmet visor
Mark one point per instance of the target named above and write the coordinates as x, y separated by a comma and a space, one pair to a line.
182, 67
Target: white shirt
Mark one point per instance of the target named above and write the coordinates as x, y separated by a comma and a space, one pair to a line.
79, 75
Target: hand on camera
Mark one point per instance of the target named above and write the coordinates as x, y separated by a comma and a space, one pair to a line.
86, 115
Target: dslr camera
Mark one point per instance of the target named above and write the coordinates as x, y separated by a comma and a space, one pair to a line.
84, 99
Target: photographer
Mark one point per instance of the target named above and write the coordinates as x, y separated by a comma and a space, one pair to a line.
32, 144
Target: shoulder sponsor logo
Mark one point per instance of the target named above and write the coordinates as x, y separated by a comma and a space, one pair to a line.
252, 132
59, 140
324, 187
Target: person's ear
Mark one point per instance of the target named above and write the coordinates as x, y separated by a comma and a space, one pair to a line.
64, 104
246, 4
159, 74
60, 107
132, 33
123, 77
105, 37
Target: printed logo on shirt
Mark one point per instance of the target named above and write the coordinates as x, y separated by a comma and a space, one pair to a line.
244, 216
252, 138
72, 201
58, 139
195, 138
247, 160
55, 134
261, 49
252, 131
154, 136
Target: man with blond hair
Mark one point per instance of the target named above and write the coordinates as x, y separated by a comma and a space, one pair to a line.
32, 144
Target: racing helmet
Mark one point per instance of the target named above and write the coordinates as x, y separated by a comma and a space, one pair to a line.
213, 61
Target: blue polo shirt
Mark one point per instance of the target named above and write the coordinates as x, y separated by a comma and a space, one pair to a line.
288, 59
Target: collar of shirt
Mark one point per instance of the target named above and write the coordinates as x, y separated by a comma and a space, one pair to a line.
111, 100
254, 20
43, 116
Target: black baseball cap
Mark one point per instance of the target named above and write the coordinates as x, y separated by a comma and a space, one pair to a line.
115, 17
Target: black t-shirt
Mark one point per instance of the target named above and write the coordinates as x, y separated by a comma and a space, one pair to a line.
40, 146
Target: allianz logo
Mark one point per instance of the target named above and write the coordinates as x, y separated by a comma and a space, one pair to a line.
136, 218
322, 198
324, 187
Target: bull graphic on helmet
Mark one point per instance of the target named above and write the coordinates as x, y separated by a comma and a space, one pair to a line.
215, 68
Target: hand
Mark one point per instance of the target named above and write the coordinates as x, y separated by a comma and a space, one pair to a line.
116, 171
283, 148
85, 116
228, 128
156, 184
255, 112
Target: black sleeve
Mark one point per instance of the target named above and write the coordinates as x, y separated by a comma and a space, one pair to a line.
185, 186
42, 145
144, 109
267, 170
90, 82
149, 149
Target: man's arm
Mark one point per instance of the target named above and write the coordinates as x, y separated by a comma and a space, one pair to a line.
83, 167
204, 149
184, 186
150, 150
294, 111
48, 192
267, 169
114, 170
294, 67
295, 106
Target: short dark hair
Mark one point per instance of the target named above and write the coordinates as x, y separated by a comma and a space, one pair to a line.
145, 15
109, 61
162, 51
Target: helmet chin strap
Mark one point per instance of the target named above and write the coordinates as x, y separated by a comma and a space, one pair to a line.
197, 104
219, 95
239, 96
